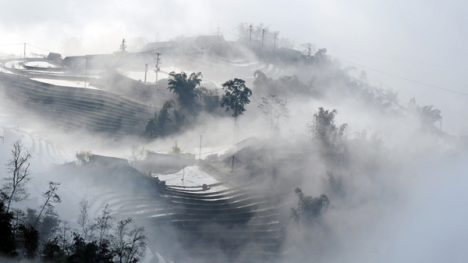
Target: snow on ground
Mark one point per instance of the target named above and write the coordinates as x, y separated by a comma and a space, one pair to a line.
150, 75
206, 151
14, 64
5, 71
41, 64
175, 69
191, 175
244, 64
66, 83
162, 74
140, 75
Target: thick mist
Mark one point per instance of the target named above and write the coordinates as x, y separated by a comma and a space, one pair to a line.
393, 175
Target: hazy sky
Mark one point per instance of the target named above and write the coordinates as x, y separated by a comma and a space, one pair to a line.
423, 41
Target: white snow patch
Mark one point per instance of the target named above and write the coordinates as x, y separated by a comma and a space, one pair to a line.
66, 83
189, 176
40, 64
206, 151
5, 71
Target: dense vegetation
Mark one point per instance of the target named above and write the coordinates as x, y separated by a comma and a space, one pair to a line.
192, 99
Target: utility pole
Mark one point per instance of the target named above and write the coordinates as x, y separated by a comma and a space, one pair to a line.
250, 35
199, 153
263, 34
146, 70
232, 164
24, 51
157, 65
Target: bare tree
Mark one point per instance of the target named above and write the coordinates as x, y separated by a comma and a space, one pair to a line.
274, 109
83, 220
129, 245
103, 224
15, 187
51, 198
64, 228
139, 153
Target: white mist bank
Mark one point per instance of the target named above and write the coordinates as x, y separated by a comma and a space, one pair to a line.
426, 222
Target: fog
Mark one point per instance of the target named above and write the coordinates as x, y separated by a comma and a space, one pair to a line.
394, 177
421, 40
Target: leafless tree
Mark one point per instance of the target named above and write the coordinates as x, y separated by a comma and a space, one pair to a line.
15, 187
51, 198
139, 153
87, 227
64, 228
129, 245
274, 109
103, 224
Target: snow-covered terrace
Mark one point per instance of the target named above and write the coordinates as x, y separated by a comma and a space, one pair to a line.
66, 83
40, 64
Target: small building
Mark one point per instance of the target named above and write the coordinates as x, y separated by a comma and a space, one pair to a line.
55, 57
88, 61
158, 161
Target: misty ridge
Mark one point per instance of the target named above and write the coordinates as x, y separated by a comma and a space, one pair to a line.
202, 149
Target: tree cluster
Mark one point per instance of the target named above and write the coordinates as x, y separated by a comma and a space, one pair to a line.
329, 136
308, 207
167, 121
96, 242
40, 234
428, 115
274, 109
192, 99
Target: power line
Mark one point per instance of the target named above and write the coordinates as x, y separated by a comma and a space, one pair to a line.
16, 44
39, 48
443, 109
398, 59
13, 44
407, 79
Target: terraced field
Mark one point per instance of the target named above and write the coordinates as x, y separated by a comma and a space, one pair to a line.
74, 108
234, 224
242, 224
77, 108
215, 223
